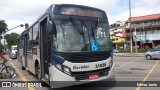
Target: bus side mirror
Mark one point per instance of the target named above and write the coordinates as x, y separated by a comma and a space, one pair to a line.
49, 27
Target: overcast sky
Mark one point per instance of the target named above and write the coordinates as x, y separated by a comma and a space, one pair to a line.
16, 12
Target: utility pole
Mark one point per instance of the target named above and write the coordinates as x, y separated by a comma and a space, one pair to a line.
130, 26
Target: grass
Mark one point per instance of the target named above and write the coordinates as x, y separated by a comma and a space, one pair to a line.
138, 51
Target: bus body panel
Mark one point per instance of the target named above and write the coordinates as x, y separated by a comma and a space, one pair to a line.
59, 79
31, 64
76, 67
22, 57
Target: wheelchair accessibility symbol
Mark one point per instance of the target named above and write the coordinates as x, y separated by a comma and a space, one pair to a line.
94, 46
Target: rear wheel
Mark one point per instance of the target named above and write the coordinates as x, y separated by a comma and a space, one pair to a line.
23, 68
7, 72
148, 57
39, 72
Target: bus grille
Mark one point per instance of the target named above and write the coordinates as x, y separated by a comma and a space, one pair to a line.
88, 57
84, 75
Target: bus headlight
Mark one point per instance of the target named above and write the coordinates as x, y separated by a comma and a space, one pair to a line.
58, 66
67, 70
63, 68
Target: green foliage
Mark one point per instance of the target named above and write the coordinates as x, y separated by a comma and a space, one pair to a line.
138, 51
12, 39
3, 26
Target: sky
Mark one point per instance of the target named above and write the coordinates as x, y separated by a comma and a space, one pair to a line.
16, 12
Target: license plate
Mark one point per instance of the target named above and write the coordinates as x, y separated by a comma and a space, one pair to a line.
93, 76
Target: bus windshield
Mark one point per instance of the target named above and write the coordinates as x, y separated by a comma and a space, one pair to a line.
80, 35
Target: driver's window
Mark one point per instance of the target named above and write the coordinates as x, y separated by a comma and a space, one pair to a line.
157, 49
152, 50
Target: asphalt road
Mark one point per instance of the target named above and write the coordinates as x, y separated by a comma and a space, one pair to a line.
127, 70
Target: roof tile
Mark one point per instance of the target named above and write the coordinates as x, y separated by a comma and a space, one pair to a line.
144, 18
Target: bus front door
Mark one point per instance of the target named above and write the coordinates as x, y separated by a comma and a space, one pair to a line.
44, 49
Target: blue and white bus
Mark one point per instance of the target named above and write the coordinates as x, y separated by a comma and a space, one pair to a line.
68, 43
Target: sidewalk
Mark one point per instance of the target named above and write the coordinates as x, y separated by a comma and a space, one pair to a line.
129, 54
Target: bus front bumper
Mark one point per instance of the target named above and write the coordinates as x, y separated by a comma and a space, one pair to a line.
59, 79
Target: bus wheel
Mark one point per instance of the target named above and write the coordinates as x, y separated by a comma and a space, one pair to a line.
23, 68
39, 72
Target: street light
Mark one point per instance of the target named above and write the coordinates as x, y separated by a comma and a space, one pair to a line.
21, 25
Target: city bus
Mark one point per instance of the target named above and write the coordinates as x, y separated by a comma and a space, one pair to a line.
68, 44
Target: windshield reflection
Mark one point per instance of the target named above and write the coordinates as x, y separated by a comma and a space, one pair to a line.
69, 39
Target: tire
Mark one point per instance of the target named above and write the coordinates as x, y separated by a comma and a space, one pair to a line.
23, 68
7, 72
39, 72
148, 57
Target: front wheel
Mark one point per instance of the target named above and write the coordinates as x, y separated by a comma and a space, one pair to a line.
148, 57
7, 72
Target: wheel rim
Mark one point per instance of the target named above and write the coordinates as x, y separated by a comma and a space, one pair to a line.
148, 57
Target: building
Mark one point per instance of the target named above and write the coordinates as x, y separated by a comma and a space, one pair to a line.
117, 33
145, 31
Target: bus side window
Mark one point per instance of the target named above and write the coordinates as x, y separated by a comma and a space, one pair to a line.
35, 39
34, 50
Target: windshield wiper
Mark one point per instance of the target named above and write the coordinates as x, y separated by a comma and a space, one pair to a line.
75, 24
93, 32
96, 24
94, 28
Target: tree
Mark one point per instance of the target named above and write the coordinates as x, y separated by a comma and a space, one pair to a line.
11, 39
3, 28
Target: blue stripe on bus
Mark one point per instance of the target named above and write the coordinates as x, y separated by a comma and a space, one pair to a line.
57, 59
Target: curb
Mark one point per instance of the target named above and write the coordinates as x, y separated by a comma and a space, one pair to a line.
129, 55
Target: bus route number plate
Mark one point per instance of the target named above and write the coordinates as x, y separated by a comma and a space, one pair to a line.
93, 76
